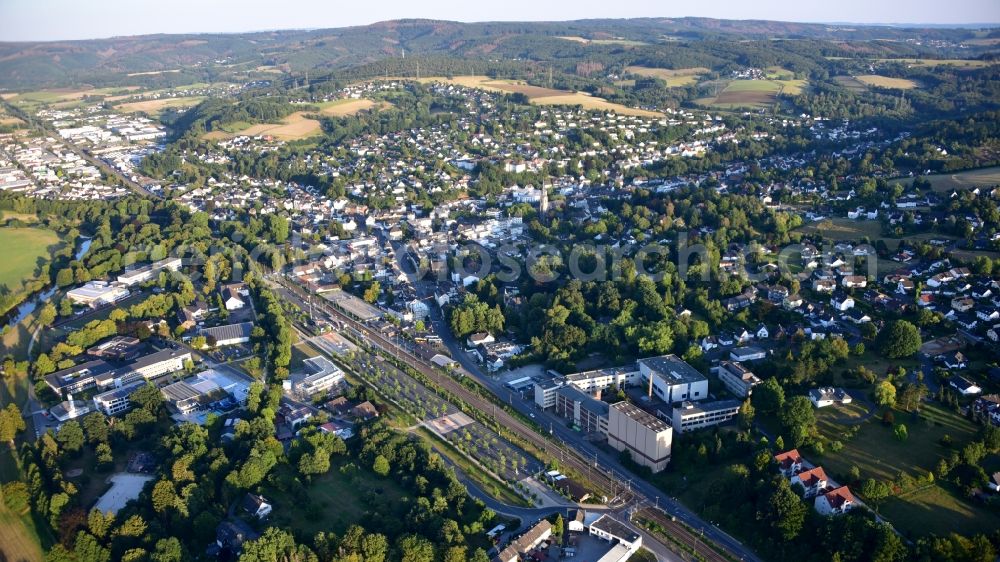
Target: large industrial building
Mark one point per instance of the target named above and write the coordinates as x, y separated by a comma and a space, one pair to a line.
672, 380
647, 438
586, 412
585, 381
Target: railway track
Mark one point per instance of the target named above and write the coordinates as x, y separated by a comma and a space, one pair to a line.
566, 455
596, 475
683, 534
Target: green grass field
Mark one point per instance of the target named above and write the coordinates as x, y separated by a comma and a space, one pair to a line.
840, 228
23, 248
936, 510
673, 77
886, 82
984, 177
337, 499
878, 454
18, 540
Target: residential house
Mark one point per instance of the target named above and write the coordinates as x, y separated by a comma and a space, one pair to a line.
964, 386
813, 481
827, 396
235, 296
954, 360
789, 462
256, 505
842, 302
364, 411
835, 502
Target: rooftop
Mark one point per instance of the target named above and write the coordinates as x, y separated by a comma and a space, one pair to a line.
590, 403
642, 417
615, 528
708, 407
672, 368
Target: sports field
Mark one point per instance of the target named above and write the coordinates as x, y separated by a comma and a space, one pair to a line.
886, 82
24, 249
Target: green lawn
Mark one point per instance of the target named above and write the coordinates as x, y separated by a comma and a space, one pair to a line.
878, 454
24, 248
337, 499
983, 177
840, 228
937, 510
18, 539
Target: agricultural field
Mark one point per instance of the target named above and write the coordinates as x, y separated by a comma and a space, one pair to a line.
155, 107
929, 63
673, 78
745, 93
984, 177
542, 96
344, 107
778, 73
886, 82
610, 41
25, 249
960, 63
294, 127
593, 103
155, 72
851, 83
63, 96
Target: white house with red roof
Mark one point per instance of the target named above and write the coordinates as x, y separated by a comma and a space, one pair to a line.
813, 481
789, 462
835, 502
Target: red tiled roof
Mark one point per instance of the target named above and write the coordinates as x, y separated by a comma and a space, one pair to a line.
788, 458
837, 498
813, 476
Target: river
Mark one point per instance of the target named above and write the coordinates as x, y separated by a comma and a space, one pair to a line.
27, 307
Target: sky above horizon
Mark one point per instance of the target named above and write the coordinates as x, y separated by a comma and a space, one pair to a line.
43, 20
